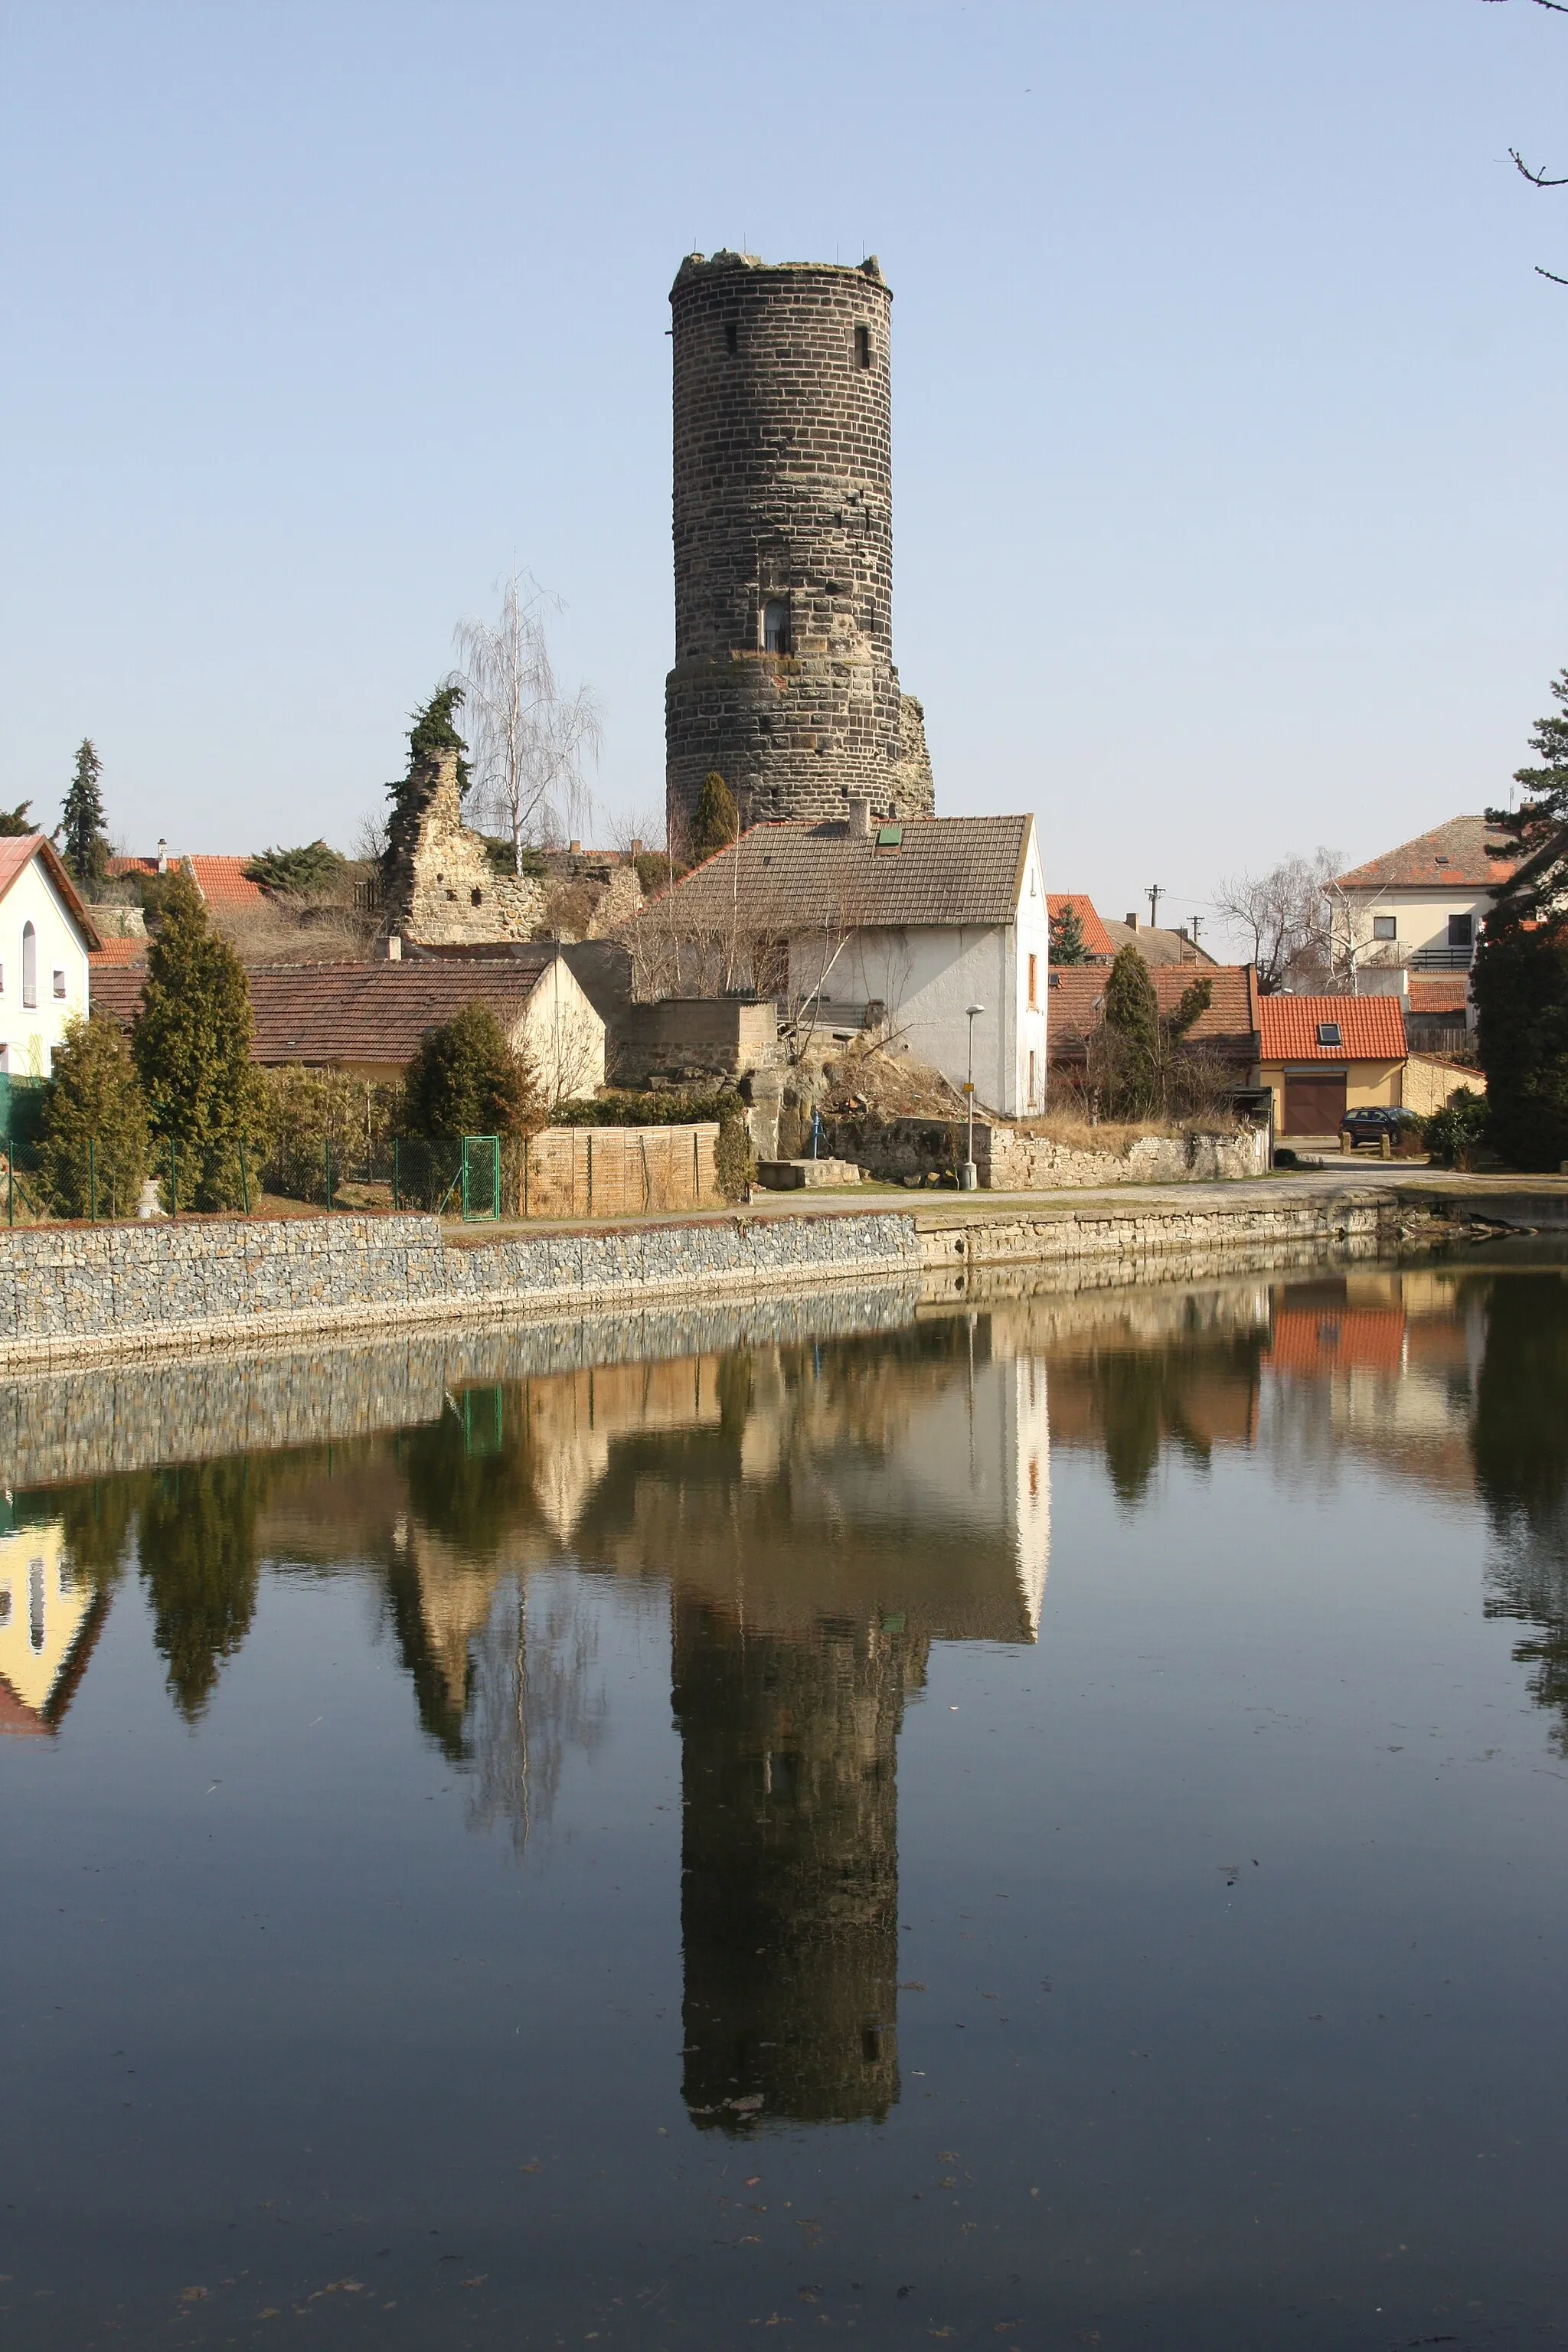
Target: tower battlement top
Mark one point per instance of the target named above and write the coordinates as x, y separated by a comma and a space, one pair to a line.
704, 264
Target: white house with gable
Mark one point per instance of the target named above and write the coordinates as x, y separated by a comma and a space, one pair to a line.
46, 936
899, 928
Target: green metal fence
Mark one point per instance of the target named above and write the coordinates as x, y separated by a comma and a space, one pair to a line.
451, 1176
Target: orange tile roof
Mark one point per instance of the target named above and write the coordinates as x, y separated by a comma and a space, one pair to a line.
222, 881
1076, 1000
1337, 1339
1096, 937
118, 951
1452, 857
1371, 1028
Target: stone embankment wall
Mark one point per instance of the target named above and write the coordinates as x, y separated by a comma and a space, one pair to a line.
1012, 1160
70, 1294
75, 1293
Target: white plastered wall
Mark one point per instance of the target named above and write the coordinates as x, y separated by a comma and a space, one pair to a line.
29, 1034
562, 1035
928, 975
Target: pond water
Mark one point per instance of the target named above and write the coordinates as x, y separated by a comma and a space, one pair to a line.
1032, 1827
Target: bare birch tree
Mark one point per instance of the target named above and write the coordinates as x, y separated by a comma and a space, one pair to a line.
531, 741
1284, 915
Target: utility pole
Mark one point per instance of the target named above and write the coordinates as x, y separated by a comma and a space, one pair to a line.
1155, 893
1198, 921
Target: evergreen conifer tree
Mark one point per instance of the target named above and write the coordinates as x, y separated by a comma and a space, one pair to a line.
15, 822
190, 1044
1068, 943
1519, 979
465, 1079
94, 1099
1133, 1038
717, 824
82, 843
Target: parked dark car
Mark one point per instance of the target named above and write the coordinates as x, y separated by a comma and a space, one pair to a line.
1385, 1130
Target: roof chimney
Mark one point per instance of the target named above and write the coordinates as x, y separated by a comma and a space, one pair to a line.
390, 948
573, 849
637, 846
860, 818
162, 857
1132, 920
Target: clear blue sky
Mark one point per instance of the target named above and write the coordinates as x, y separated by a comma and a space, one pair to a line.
1229, 413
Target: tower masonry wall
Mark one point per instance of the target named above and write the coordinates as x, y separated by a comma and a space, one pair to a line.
783, 514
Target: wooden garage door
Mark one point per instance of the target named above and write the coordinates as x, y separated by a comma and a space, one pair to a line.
1314, 1101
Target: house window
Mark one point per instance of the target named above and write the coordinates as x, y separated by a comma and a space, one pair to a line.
1384, 926
1031, 1071
59, 985
1461, 930
862, 347
476, 897
1329, 1034
1034, 1000
776, 625
36, 1603
29, 965
5, 1605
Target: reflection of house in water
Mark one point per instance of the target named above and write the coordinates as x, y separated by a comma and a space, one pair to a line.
50, 1621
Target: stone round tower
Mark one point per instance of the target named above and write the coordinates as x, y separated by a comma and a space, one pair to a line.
784, 678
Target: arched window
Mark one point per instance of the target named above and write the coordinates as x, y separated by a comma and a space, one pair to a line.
29, 965
776, 625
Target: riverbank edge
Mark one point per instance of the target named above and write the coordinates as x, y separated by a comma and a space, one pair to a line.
70, 1295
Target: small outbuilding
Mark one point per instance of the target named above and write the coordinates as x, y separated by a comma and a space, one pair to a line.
367, 1019
1322, 1056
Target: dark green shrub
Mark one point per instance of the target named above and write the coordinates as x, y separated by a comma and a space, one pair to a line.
1451, 1134
93, 1149
465, 1079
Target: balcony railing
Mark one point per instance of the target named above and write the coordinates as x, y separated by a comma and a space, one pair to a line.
1442, 959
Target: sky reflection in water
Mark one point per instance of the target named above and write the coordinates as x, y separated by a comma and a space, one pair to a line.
1037, 1826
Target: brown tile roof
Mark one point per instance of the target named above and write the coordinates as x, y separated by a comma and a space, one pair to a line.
1096, 937
1371, 1028
222, 881
1452, 857
1077, 1001
1439, 995
796, 877
1155, 946
326, 1014
18, 851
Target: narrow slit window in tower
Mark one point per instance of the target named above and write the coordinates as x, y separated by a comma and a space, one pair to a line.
731, 336
776, 625
862, 347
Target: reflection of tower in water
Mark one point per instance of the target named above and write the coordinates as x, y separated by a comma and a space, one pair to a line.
790, 1884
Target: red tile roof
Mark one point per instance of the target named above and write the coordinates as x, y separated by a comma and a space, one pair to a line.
114, 950
1096, 937
1452, 857
17, 852
1337, 1339
1076, 1002
1371, 1028
222, 881
1439, 995
326, 1014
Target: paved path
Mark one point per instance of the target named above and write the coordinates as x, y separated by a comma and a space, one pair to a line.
933, 1209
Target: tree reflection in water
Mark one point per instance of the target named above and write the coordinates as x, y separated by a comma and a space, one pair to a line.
1520, 1441
197, 1546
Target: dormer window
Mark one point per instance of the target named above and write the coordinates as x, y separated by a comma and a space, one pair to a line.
776, 625
1329, 1034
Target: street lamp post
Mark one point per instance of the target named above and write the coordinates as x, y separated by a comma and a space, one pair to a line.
968, 1175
